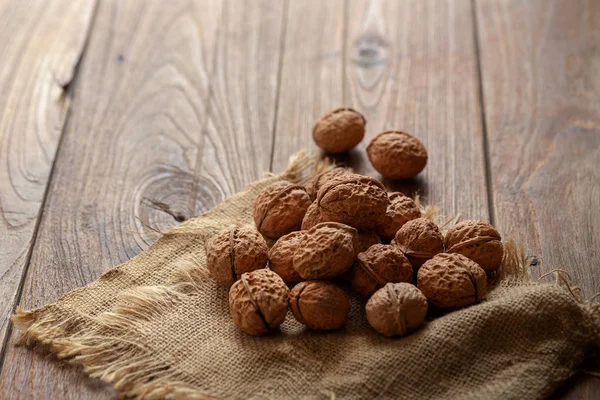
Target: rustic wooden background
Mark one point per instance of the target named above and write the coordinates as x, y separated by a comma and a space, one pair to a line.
119, 114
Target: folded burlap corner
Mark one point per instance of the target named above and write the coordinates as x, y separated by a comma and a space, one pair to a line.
158, 327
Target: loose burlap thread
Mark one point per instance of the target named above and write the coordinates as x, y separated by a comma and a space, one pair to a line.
158, 327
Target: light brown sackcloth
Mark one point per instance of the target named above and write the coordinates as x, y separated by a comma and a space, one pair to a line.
158, 327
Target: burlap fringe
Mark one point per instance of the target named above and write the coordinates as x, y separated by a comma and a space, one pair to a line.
128, 366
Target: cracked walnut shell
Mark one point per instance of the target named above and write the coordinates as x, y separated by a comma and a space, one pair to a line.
258, 302
400, 210
326, 250
318, 181
319, 305
419, 239
234, 252
281, 256
379, 265
478, 241
452, 281
396, 309
280, 208
397, 155
339, 130
355, 200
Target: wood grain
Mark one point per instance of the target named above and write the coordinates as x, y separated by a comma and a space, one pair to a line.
40, 45
171, 99
540, 65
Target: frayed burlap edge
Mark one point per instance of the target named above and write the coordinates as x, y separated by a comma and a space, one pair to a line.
133, 371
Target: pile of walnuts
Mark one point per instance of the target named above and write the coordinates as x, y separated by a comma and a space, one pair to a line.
344, 230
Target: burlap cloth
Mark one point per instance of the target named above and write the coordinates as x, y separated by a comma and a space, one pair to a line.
158, 327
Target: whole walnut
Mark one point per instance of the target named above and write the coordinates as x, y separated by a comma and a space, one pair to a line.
313, 217
396, 309
355, 200
280, 208
400, 210
234, 252
281, 256
367, 239
451, 281
397, 155
379, 265
319, 305
258, 302
478, 241
326, 250
315, 184
339, 130
419, 239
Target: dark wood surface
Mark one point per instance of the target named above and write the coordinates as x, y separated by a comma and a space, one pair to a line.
117, 118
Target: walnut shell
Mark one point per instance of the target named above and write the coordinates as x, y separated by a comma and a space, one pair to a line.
258, 302
419, 239
319, 305
234, 252
326, 250
313, 217
478, 241
397, 155
379, 265
355, 200
339, 130
318, 181
281, 256
400, 210
451, 281
367, 239
280, 208
396, 309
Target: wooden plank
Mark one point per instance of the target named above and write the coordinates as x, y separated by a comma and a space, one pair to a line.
40, 46
167, 90
541, 83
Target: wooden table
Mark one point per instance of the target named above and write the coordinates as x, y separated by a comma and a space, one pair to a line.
116, 116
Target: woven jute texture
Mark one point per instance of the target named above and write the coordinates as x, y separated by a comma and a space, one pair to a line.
159, 327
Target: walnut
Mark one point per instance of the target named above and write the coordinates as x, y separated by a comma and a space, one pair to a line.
313, 217
258, 302
339, 130
367, 239
396, 309
380, 264
280, 208
352, 199
419, 239
281, 256
397, 155
451, 281
400, 210
315, 184
478, 241
319, 305
234, 252
326, 250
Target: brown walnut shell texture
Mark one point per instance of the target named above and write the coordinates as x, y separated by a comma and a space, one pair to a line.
319, 305
234, 252
478, 241
313, 217
397, 155
326, 250
280, 208
367, 239
452, 281
318, 181
356, 200
396, 309
419, 239
379, 265
400, 210
258, 302
339, 130
281, 256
